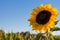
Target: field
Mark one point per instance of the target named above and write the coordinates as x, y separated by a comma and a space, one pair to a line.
25, 36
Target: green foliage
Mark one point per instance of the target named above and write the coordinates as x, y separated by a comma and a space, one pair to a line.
56, 37
57, 22
26, 36
55, 29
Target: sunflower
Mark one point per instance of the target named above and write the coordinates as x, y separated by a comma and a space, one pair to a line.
43, 18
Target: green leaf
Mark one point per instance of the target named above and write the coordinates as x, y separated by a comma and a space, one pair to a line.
55, 29
57, 22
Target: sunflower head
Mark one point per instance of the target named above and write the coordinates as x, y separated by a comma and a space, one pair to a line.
43, 18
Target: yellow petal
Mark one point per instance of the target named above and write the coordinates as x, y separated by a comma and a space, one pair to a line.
36, 10
48, 5
55, 10
41, 5
33, 13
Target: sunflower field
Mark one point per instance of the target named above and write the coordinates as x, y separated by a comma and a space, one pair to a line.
25, 36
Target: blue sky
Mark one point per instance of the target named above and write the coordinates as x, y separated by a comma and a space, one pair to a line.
14, 14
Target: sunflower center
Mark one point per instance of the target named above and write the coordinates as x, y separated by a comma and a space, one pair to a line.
43, 17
